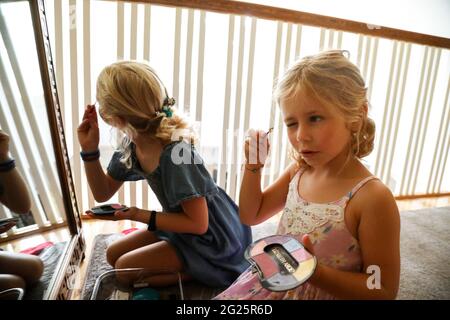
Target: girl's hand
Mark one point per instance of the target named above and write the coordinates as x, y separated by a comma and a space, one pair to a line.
4, 145
307, 243
127, 214
256, 147
88, 133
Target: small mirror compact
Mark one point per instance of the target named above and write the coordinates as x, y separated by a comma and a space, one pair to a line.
107, 209
281, 261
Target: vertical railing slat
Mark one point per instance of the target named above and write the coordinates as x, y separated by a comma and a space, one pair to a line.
396, 125
120, 54
201, 63
391, 111
372, 69
413, 125
322, 39
360, 48
188, 62
147, 29
133, 56
366, 58
232, 179
439, 144
298, 41
283, 141
330, 39
430, 96
120, 30
339, 41
146, 54
176, 56
248, 100
381, 142
74, 101
222, 172
133, 31
445, 162
268, 178
418, 131
87, 79
59, 54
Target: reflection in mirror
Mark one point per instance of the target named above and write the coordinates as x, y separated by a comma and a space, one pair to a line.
40, 230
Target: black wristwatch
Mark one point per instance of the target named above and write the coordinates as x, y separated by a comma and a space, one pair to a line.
152, 221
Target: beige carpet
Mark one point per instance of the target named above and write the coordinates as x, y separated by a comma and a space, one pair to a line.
425, 254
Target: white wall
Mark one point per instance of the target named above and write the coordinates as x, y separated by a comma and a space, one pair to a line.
423, 16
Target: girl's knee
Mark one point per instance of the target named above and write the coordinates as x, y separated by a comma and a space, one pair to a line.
112, 254
38, 269
121, 263
35, 268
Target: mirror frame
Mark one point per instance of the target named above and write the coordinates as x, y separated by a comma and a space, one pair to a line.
62, 283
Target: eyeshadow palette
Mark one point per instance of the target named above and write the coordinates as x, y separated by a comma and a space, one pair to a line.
281, 261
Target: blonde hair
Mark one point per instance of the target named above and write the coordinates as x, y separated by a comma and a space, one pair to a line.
132, 90
337, 83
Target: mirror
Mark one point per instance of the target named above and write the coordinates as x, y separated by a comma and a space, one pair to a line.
29, 114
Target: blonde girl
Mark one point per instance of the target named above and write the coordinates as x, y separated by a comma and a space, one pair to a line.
329, 200
198, 232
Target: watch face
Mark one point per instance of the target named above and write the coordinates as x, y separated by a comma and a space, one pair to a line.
281, 261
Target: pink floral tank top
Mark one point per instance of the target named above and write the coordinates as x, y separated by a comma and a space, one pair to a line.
334, 245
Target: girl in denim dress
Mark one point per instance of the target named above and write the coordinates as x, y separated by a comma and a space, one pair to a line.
198, 233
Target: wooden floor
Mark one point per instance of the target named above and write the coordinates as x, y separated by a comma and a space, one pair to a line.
91, 228
55, 236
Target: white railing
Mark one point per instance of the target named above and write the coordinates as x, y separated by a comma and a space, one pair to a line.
221, 68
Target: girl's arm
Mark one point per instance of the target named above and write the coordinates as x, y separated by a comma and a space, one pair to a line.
102, 185
193, 219
15, 195
379, 239
15, 192
256, 206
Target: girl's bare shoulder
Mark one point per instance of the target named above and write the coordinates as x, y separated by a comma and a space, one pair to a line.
293, 169
374, 198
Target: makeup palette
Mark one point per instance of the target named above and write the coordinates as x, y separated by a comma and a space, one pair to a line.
281, 262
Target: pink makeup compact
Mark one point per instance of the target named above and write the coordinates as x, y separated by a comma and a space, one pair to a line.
281, 262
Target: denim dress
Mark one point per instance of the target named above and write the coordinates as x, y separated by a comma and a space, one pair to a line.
215, 258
